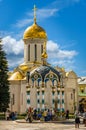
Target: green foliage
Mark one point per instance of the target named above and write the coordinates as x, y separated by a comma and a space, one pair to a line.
23, 114
4, 83
2, 116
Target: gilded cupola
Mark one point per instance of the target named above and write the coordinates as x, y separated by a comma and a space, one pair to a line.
35, 31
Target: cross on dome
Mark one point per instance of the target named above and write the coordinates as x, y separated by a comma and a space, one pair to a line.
34, 9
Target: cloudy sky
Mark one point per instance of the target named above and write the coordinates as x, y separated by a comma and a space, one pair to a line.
65, 25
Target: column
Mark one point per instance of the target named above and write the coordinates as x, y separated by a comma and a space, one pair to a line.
63, 101
58, 101
38, 99
43, 101
53, 98
28, 99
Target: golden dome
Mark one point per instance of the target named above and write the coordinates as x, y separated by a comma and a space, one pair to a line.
24, 67
34, 31
16, 76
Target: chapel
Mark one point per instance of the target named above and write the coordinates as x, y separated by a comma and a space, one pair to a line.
36, 83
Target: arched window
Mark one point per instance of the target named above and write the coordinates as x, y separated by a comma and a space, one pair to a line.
28, 52
41, 49
71, 96
35, 52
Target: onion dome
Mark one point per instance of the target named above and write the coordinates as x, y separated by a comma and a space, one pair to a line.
35, 31
16, 76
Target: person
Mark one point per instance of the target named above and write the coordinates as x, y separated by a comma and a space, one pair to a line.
16, 115
35, 114
45, 115
77, 119
29, 115
7, 115
53, 114
84, 117
67, 114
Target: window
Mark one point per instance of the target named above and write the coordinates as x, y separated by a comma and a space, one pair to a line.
35, 52
28, 52
62, 92
41, 49
71, 96
82, 91
13, 99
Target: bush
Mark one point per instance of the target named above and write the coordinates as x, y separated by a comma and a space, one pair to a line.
21, 116
2, 116
71, 116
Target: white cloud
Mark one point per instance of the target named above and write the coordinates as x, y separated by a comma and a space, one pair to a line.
52, 46
24, 22
57, 56
13, 64
14, 50
11, 45
84, 71
54, 51
41, 14
44, 13
66, 54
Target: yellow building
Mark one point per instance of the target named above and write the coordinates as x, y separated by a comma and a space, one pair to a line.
82, 93
35, 83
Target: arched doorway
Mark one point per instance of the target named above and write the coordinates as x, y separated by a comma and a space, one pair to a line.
82, 105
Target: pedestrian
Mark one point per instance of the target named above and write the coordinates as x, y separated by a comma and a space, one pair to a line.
77, 119
45, 115
16, 115
84, 117
7, 115
67, 114
29, 115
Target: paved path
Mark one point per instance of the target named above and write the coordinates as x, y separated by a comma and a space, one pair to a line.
13, 125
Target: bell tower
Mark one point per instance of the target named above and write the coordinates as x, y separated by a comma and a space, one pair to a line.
34, 38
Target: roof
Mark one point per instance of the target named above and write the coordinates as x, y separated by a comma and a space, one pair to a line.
43, 70
82, 80
82, 94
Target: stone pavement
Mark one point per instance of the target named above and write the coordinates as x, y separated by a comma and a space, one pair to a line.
22, 125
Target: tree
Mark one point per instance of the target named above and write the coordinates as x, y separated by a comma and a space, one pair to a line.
4, 83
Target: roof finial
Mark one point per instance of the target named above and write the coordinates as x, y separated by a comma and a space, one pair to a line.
44, 54
34, 13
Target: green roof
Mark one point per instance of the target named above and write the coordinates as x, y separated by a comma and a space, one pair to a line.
81, 94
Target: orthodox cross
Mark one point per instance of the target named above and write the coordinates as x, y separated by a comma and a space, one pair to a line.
34, 9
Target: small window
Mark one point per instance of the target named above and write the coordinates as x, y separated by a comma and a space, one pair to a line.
41, 49
13, 102
82, 91
28, 52
71, 96
35, 52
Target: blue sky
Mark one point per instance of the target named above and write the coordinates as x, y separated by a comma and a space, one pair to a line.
64, 22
